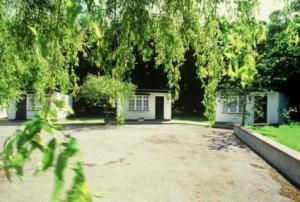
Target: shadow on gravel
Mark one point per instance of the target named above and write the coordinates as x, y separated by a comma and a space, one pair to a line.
224, 141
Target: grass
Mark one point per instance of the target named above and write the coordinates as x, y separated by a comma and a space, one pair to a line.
288, 135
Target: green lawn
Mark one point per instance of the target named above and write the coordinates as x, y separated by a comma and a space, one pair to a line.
288, 135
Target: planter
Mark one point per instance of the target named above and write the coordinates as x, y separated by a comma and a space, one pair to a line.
284, 159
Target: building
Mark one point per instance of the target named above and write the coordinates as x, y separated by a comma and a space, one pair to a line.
26, 109
147, 104
264, 107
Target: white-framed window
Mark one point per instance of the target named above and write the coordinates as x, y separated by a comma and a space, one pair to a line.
233, 105
138, 103
33, 105
146, 103
131, 103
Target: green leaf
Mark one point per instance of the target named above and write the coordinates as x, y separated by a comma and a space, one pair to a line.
37, 142
33, 30
68, 108
230, 71
58, 184
79, 191
96, 30
61, 104
73, 11
17, 160
47, 127
230, 55
48, 155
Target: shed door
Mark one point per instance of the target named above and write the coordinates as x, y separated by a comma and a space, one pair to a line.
159, 107
21, 108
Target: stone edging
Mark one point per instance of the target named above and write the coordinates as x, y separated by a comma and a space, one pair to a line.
286, 160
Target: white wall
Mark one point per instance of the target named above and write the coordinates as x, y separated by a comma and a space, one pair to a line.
3, 113
272, 107
61, 114
276, 103
150, 114
234, 117
12, 111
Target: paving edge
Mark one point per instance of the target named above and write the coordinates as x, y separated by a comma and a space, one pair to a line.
19, 123
284, 159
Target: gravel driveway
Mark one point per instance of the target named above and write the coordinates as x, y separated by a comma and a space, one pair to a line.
167, 162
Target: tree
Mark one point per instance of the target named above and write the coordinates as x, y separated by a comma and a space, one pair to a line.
110, 90
165, 30
279, 56
45, 38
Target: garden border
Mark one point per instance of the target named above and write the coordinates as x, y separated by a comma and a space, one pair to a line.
284, 159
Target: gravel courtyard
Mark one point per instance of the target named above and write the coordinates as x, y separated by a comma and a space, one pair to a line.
167, 162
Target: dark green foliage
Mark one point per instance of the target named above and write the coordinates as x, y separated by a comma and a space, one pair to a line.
46, 37
279, 56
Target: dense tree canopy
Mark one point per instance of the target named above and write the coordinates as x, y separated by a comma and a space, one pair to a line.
279, 55
165, 30
41, 41
278, 59
46, 40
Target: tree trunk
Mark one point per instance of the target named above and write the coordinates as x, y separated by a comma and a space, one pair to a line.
244, 100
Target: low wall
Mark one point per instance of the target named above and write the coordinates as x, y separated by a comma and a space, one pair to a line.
286, 160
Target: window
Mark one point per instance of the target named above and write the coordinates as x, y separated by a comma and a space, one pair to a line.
131, 103
33, 105
138, 103
233, 105
146, 103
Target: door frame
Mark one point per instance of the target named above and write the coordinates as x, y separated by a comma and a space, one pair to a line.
21, 108
261, 104
159, 115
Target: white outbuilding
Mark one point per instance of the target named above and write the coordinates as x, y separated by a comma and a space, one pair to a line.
26, 109
147, 104
266, 108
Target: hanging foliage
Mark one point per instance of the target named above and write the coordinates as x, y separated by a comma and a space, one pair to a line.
110, 90
40, 42
224, 44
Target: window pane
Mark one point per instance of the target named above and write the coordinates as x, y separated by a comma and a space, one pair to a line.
240, 106
146, 103
139, 105
131, 103
33, 104
231, 105
232, 108
29, 103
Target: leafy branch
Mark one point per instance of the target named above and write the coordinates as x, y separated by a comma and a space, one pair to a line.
18, 150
